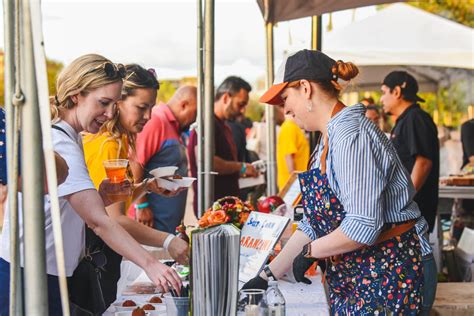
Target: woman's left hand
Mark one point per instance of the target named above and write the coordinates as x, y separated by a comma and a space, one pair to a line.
300, 265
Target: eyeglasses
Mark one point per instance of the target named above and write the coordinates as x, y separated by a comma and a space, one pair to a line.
112, 71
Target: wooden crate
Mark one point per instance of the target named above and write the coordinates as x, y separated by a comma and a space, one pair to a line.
454, 298
459, 180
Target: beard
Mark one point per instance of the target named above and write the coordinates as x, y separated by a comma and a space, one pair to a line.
231, 113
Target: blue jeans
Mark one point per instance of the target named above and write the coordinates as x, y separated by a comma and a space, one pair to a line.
430, 276
54, 296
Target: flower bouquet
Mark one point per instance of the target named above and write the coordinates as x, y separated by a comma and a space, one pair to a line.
228, 209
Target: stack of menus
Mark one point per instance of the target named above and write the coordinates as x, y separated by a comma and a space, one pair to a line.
215, 269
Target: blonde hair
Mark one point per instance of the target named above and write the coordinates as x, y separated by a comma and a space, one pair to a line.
82, 75
136, 77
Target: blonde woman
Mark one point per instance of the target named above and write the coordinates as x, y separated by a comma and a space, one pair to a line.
116, 140
87, 91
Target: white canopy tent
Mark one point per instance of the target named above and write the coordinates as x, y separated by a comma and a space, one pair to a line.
435, 50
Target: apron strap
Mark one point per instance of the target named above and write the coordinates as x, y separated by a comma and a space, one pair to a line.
337, 108
395, 231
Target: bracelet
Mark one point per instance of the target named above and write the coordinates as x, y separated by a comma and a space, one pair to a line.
167, 241
244, 168
141, 205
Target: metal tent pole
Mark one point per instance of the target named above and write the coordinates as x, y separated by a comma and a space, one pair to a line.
36, 289
208, 140
12, 120
270, 117
316, 44
200, 112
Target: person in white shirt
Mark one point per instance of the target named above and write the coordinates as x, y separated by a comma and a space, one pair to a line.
87, 91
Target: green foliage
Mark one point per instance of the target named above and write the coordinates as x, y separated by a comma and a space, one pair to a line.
53, 69
254, 110
461, 11
167, 89
448, 107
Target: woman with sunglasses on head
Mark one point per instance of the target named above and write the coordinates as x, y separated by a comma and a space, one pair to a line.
116, 140
359, 213
87, 91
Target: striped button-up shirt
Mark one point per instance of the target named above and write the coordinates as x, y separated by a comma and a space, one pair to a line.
366, 174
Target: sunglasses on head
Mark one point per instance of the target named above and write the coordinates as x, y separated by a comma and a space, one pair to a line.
150, 70
112, 71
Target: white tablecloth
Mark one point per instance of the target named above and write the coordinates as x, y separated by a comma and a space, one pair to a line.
301, 299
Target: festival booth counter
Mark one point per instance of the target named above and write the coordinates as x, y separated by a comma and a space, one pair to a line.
231, 246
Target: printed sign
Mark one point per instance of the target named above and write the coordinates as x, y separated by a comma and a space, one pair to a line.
259, 235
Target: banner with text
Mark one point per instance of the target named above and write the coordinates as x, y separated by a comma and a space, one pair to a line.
259, 235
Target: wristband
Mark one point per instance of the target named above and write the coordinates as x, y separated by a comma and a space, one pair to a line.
141, 205
243, 169
167, 241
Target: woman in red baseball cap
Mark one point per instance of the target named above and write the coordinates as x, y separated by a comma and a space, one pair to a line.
359, 214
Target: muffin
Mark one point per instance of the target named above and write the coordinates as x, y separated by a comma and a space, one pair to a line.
156, 300
148, 307
138, 312
128, 303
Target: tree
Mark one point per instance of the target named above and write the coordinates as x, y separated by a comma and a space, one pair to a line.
460, 11
53, 68
166, 91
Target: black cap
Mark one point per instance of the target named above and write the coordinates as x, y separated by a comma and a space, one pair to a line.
305, 64
407, 83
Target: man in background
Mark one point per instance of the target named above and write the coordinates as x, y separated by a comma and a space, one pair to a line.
160, 145
467, 140
373, 113
231, 98
292, 150
415, 138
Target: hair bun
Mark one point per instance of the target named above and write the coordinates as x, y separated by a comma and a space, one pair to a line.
345, 70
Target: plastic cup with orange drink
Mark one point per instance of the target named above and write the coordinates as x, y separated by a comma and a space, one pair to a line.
116, 169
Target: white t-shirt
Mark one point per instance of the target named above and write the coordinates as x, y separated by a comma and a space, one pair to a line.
70, 148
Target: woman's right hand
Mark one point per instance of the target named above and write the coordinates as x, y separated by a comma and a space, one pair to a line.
114, 192
256, 283
179, 250
163, 276
144, 216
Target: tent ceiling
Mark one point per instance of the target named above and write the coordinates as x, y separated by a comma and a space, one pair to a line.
396, 39
401, 35
283, 10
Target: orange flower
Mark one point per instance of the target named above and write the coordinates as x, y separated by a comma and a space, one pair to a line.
217, 217
204, 220
243, 217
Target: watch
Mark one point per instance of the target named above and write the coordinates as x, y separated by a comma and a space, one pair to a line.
306, 252
269, 273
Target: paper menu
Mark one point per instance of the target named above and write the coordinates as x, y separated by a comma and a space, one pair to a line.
215, 267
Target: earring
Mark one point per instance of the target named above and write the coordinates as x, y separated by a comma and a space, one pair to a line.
309, 106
